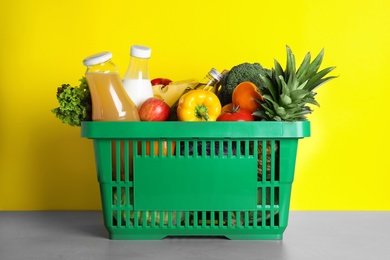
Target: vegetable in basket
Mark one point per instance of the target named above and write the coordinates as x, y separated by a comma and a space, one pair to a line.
148, 216
235, 113
240, 73
75, 103
246, 95
198, 105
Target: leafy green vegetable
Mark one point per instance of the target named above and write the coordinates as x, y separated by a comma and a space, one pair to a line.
240, 73
75, 103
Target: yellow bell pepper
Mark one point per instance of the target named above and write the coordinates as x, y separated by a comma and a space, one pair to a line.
198, 105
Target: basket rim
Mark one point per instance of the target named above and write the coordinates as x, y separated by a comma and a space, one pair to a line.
194, 130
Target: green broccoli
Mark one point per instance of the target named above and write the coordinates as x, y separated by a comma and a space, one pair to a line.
240, 73
75, 103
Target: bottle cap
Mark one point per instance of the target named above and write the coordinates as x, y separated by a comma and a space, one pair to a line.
140, 51
97, 58
215, 73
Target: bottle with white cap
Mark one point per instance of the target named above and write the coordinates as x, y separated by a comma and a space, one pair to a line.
109, 99
136, 80
110, 102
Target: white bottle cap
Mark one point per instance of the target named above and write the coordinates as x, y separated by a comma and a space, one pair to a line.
97, 58
140, 51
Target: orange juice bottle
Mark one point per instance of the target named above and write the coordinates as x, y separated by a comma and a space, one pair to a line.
110, 102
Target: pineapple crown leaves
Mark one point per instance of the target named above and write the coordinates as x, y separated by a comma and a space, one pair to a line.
288, 91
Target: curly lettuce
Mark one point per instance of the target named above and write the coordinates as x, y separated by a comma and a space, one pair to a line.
75, 103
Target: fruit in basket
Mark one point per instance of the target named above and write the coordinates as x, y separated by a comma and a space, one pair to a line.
245, 96
154, 109
156, 148
240, 73
287, 92
235, 113
198, 105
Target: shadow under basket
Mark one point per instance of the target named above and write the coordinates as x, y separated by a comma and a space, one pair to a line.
230, 179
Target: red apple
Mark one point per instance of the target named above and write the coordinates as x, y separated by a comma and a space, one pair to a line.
154, 109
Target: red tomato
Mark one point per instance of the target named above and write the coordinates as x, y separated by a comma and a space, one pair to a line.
236, 114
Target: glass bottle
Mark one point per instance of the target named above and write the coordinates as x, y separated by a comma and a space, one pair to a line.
109, 99
110, 102
210, 81
136, 80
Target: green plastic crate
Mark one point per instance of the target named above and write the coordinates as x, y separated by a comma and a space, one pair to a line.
229, 179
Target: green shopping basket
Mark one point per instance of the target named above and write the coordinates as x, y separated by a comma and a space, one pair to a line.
230, 179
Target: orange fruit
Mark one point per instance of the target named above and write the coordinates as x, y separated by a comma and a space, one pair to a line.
156, 148
227, 107
245, 95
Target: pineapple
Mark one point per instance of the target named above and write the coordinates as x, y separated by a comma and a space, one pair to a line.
286, 95
287, 92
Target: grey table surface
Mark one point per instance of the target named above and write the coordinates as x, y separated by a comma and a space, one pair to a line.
81, 235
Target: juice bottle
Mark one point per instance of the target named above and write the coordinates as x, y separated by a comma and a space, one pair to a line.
110, 102
109, 99
136, 80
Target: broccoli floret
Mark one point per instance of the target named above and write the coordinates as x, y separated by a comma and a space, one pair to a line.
75, 103
240, 73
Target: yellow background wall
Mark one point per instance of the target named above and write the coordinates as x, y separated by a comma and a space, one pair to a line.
45, 165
